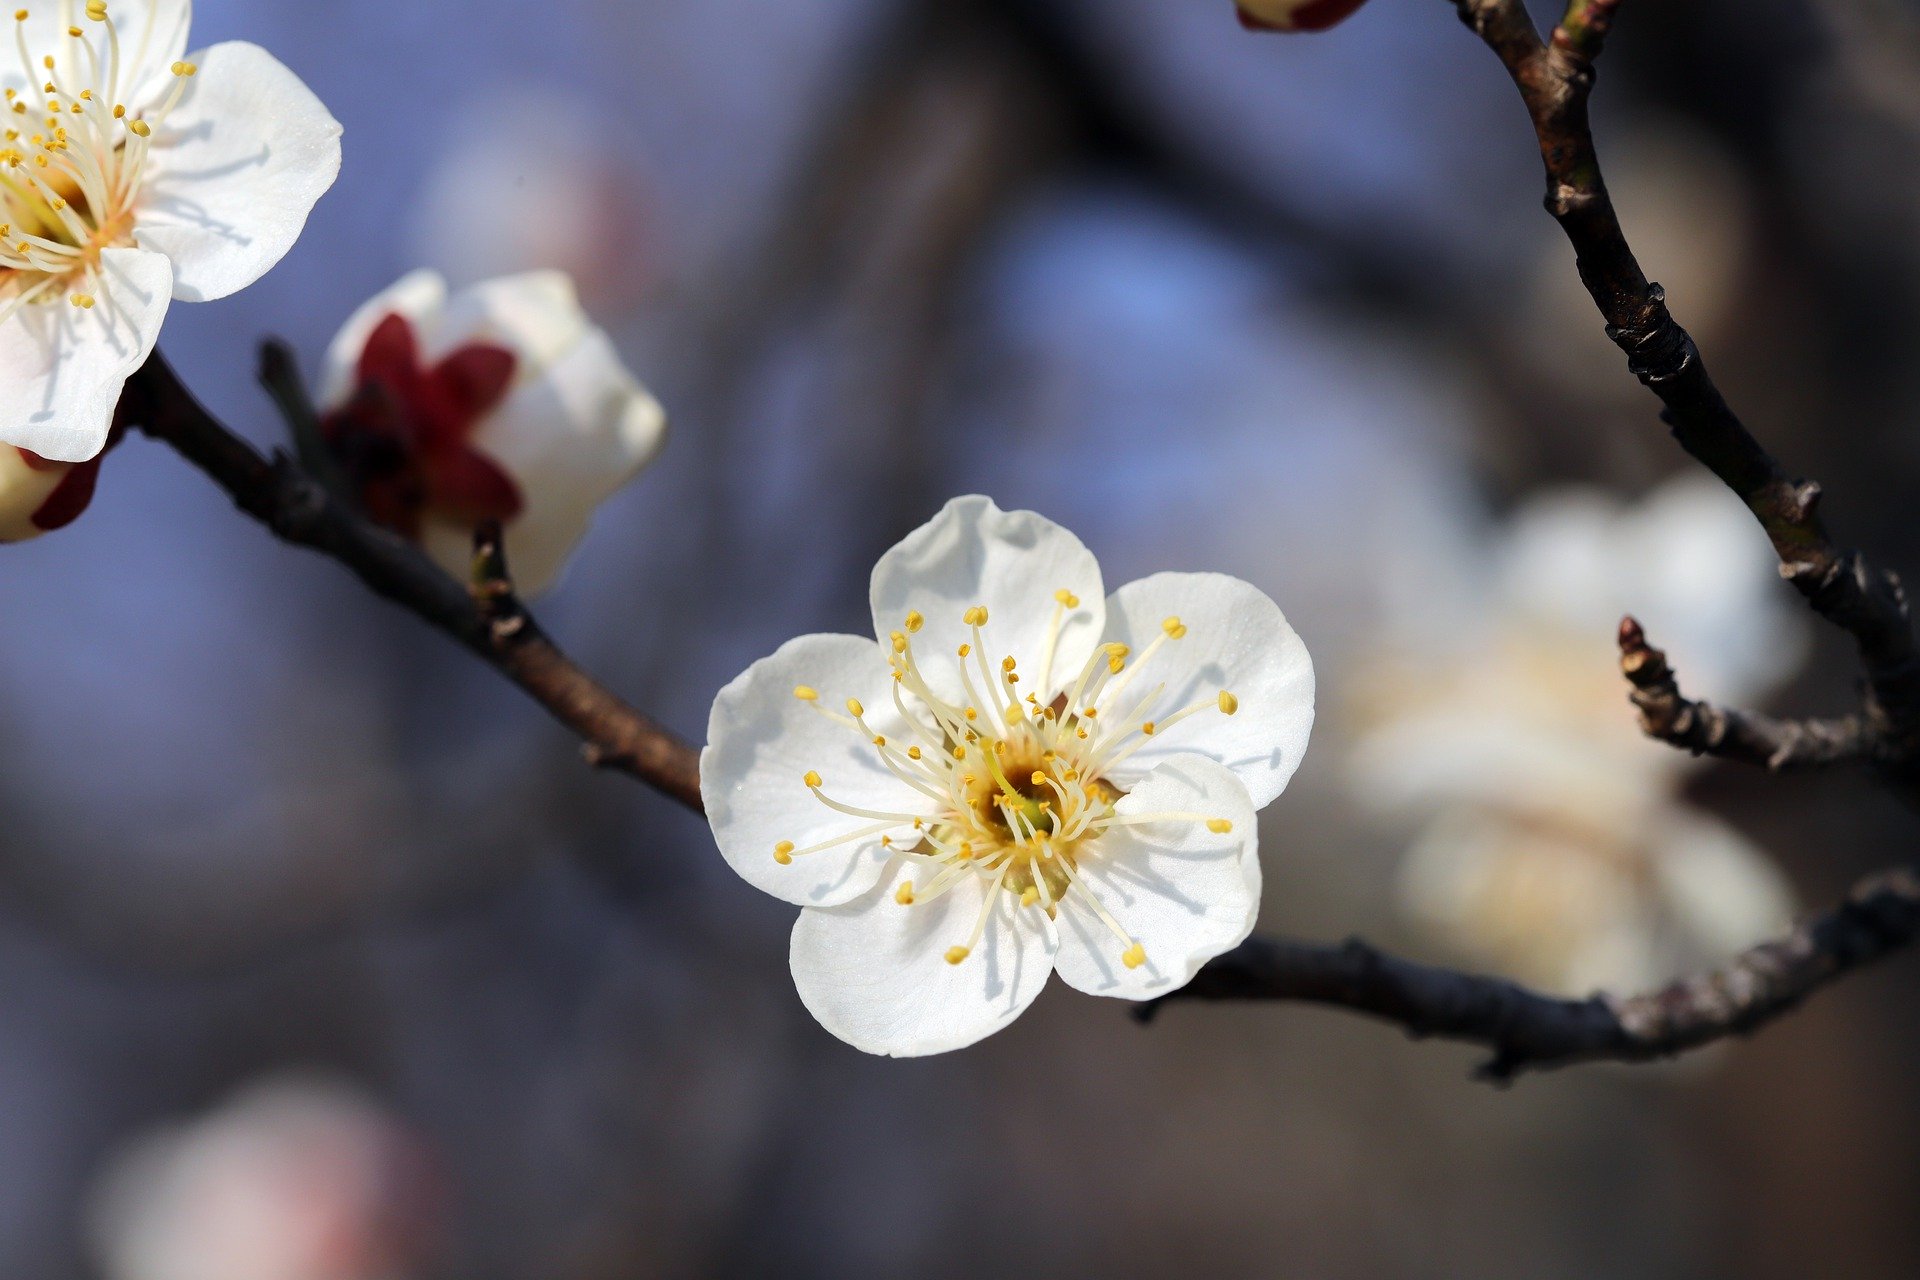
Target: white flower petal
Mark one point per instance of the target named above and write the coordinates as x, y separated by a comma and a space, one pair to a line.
1184, 892
535, 314
419, 296
63, 366
874, 972
761, 741
234, 171
569, 440
1237, 640
1013, 562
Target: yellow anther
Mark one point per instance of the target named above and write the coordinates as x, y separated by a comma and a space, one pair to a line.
1070, 775
1039, 778
84, 301
956, 954
1030, 896
854, 708
966, 850
1219, 826
1090, 713
965, 649
783, 852
886, 842
904, 894
879, 739
1067, 598
1015, 712
139, 128
959, 752
1012, 678
1114, 665
97, 10
1228, 703
918, 823
1134, 956
73, 31
184, 68
972, 713
915, 621
119, 110
47, 62
812, 779
976, 616
1174, 628
806, 693
19, 15
1007, 663
1147, 728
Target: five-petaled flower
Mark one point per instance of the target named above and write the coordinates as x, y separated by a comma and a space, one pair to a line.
132, 173
1295, 15
502, 402
1023, 775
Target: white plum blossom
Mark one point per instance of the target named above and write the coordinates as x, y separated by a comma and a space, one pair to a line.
1022, 775
1295, 15
133, 173
1558, 846
38, 495
502, 401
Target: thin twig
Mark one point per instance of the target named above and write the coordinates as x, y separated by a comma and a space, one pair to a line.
1727, 734
298, 509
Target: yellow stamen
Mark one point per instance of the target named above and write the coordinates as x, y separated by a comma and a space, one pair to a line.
804, 692
1134, 956
956, 954
783, 852
1228, 703
1219, 826
976, 616
812, 779
904, 894
1174, 628
915, 621
854, 708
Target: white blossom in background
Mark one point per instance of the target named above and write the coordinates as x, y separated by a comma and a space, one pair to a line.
501, 401
133, 173
38, 495
295, 1178
1558, 847
1022, 775
1295, 15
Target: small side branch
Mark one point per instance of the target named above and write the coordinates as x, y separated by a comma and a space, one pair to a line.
1708, 730
1528, 1031
298, 509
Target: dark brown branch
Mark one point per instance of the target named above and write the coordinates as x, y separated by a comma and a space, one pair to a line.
1709, 730
1528, 1031
1555, 77
280, 495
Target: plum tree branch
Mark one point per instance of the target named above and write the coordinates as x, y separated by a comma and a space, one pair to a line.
1525, 1029
1528, 1031
1555, 79
300, 510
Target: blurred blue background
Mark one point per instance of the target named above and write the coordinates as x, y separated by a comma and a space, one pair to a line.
1283, 308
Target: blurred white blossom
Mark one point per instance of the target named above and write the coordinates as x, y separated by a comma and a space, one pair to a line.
295, 1178
502, 401
1558, 847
